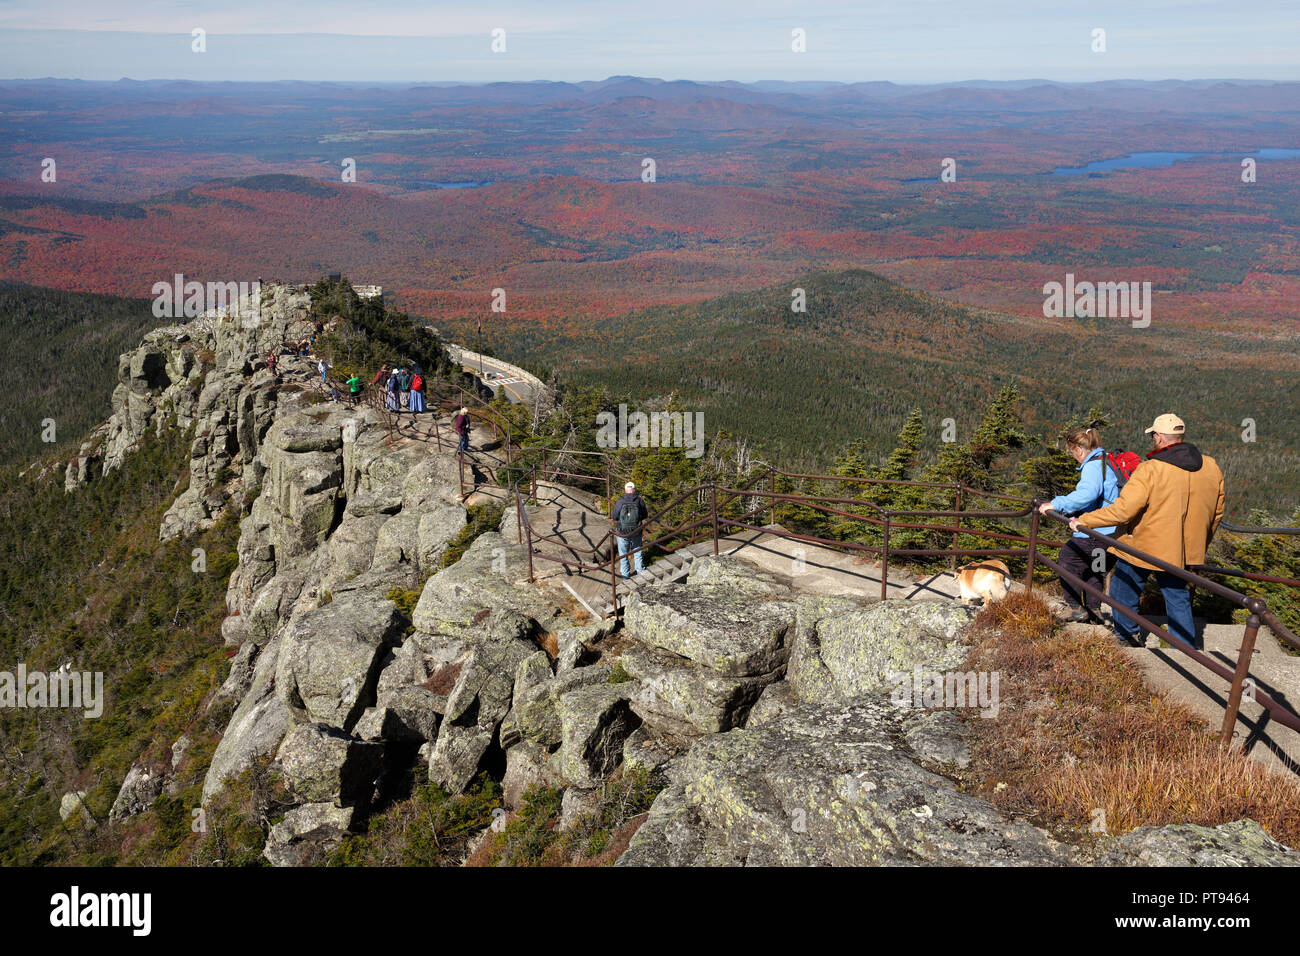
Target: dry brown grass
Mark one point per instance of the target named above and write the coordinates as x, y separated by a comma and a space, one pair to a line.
1079, 730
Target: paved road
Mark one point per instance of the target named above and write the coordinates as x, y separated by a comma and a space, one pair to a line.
498, 379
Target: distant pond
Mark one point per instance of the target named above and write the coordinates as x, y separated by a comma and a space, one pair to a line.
1140, 160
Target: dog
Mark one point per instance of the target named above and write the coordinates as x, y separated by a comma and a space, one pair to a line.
985, 580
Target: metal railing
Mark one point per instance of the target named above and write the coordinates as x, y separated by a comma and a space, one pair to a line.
1030, 547
702, 523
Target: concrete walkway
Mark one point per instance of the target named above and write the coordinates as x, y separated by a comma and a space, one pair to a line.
1275, 672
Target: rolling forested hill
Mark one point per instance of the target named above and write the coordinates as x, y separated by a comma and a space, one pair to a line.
59, 354
866, 351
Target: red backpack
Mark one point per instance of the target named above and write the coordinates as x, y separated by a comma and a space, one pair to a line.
1124, 463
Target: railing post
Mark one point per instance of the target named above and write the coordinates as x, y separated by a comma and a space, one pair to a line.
519, 519
714, 511
460, 458
530, 551
1239, 678
771, 485
884, 563
613, 570
956, 506
1033, 546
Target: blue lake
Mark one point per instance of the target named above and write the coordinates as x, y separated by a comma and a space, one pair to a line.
1141, 160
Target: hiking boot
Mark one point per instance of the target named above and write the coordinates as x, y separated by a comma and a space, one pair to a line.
1080, 616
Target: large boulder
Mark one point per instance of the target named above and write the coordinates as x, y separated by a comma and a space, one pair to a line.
534, 715
325, 765
479, 700
825, 785
595, 722
307, 833
139, 790
492, 575
730, 634
329, 658
527, 765
1240, 843
842, 650
685, 699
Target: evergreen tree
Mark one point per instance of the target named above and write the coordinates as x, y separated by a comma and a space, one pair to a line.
1055, 472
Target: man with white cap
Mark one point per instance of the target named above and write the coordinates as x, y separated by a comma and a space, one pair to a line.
461, 424
1172, 506
628, 514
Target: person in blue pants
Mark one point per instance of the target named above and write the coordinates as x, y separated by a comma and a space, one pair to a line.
629, 514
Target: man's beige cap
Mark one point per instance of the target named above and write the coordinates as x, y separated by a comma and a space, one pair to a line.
1167, 425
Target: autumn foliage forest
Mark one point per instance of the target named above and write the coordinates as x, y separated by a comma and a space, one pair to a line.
919, 293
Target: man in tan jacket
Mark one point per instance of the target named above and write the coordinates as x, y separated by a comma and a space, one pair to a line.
1171, 506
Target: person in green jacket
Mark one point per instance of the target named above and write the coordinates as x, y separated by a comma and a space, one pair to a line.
354, 386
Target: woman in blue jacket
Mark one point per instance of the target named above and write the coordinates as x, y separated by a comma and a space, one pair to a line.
1098, 486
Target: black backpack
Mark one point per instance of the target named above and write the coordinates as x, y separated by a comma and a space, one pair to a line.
630, 517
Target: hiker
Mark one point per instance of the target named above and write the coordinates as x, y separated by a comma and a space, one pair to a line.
404, 387
270, 362
1098, 487
354, 387
323, 366
461, 425
383, 371
417, 393
628, 514
390, 394
1172, 507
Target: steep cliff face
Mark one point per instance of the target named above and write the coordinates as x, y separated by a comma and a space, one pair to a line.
763, 714
210, 373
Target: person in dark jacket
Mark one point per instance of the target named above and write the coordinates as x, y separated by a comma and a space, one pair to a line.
1098, 487
629, 513
461, 425
390, 394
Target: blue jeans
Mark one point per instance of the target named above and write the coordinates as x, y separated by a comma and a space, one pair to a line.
624, 546
464, 441
1126, 587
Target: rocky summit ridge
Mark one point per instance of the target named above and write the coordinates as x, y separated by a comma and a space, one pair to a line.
763, 713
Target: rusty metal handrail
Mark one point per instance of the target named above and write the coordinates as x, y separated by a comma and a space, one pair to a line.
1254, 529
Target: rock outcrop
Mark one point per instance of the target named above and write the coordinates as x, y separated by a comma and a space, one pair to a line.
765, 715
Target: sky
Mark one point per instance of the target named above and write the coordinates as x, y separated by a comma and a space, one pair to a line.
904, 41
